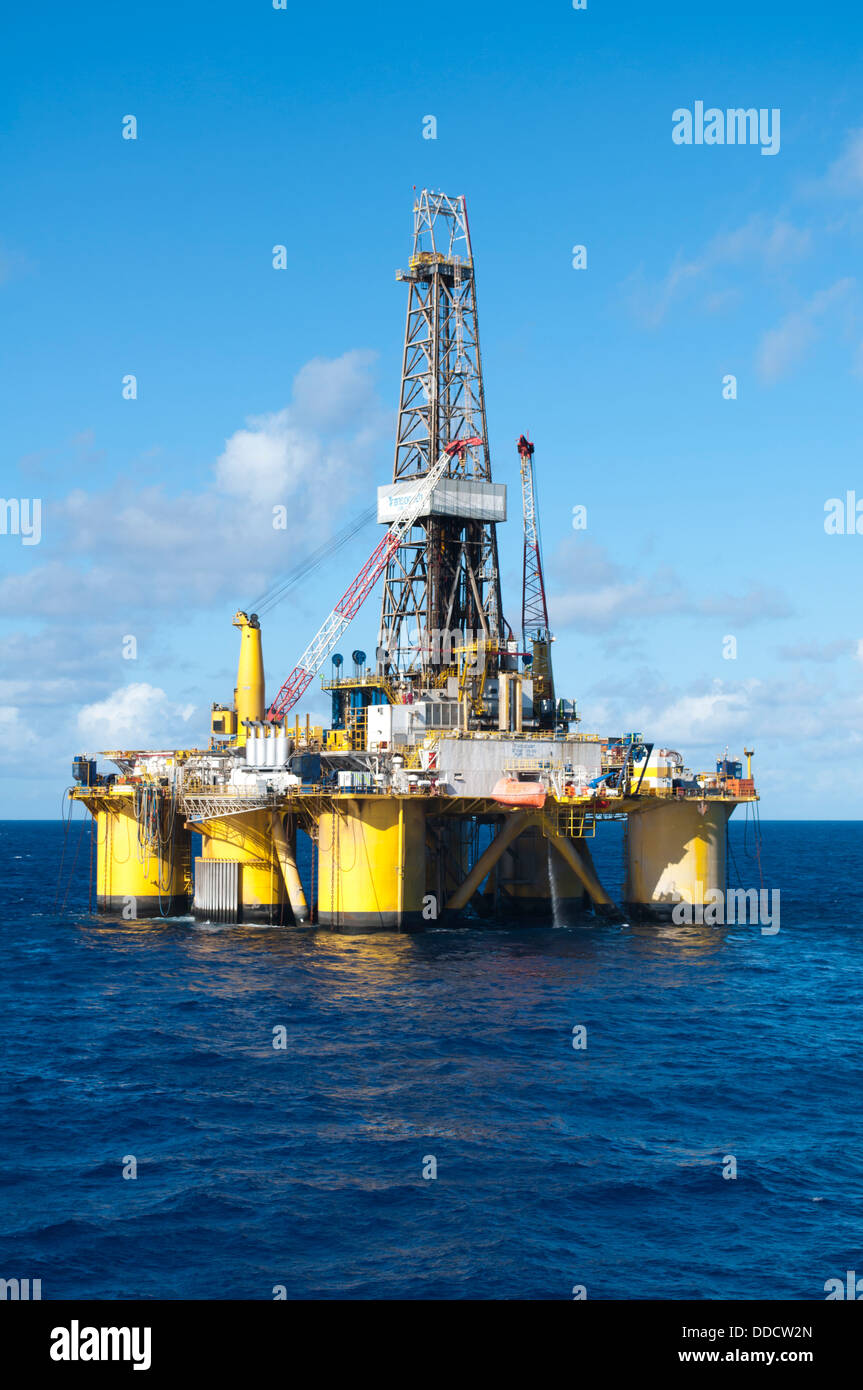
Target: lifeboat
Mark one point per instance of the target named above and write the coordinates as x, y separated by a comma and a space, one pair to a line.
510, 792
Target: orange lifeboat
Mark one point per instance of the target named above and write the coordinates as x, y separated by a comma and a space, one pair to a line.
510, 792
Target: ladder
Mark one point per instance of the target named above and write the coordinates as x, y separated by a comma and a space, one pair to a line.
570, 822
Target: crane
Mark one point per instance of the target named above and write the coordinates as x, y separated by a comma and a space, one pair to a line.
316, 653
534, 609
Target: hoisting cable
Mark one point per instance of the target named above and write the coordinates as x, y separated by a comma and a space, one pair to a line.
756, 819
281, 587
74, 862
66, 817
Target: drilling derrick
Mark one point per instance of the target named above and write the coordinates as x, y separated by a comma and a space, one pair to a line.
442, 586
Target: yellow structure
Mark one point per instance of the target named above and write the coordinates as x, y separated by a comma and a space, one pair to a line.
238, 877
284, 829
449, 736
249, 701
372, 863
675, 853
535, 880
580, 861
392, 846
142, 870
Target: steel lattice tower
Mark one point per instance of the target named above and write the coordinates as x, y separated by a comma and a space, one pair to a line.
445, 577
534, 609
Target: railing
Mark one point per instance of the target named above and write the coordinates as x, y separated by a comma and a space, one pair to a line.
569, 822
562, 784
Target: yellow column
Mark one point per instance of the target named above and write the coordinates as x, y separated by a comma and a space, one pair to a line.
249, 700
246, 841
372, 864
135, 879
674, 854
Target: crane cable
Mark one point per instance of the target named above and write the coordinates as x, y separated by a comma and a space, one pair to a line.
277, 591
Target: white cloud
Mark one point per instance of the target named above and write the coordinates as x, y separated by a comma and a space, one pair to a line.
601, 594
311, 446
130, 550
701, 719
16, 737
135, 716
334, 395
269, 461
126, 558
820, 721
784, 346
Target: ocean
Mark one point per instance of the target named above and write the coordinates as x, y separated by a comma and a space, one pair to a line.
428, 1130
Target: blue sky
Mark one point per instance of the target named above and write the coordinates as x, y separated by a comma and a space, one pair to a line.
304, 127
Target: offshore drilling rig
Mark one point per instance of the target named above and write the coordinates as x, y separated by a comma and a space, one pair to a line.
451, 780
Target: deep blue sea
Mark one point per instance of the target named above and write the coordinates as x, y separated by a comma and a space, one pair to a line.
600, 1167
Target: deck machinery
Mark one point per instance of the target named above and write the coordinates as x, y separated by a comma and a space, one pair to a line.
451, 781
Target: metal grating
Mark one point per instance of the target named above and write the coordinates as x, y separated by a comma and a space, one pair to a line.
217, 883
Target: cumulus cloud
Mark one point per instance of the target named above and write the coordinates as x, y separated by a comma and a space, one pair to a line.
135, 716
819, 720
314, 445
269, 459
128, 549
700, 719
125, 557
16, 735
336, 394
706, 714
